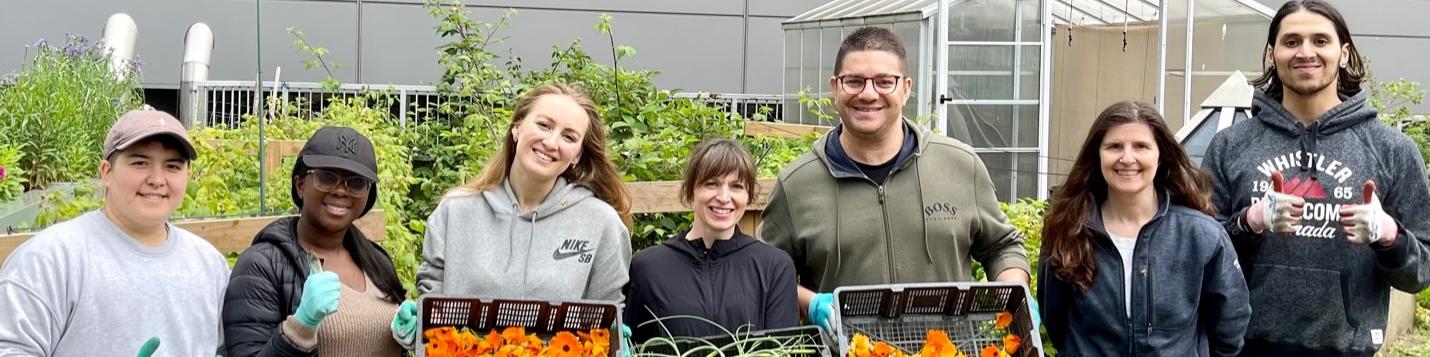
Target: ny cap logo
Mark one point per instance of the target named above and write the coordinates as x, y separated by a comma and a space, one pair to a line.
347, 145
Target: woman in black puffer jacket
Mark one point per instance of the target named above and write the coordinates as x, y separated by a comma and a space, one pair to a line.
314, 282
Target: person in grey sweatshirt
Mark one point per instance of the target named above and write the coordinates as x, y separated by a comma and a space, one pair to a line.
1323, 203
544, 220
102, 283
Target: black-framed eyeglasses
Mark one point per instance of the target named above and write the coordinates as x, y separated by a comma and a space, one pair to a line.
852, 84
326, 181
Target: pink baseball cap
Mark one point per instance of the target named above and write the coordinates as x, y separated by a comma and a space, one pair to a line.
140, 124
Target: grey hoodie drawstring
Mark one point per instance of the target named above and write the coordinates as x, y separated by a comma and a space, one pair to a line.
838, 252
928, 251
1308, 140
510, 228
530, 241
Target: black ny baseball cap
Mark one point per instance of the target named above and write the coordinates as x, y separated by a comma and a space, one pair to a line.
337, 147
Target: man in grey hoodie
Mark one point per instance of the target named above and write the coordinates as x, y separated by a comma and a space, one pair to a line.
1319, 198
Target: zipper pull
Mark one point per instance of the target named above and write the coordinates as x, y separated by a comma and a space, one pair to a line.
881, 194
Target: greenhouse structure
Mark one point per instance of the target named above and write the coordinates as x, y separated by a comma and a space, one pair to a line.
1022, 80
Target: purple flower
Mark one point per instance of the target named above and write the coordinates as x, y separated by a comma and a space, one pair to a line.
41, 43
2, 172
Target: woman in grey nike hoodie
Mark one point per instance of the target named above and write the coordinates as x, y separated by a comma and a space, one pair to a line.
544, 220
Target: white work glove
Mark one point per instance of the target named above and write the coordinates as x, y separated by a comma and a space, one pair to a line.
1367, 223
1278, 210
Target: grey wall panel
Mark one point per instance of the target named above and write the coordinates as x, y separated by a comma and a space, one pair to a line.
1394, 58
329, 25
399, 45
691, 52
159, 43
1381, 17
764, 73
782, 8
698, 46
706, 7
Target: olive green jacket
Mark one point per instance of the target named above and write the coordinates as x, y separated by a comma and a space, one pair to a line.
935, 211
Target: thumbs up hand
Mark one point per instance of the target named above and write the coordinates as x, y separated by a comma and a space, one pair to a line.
1277, 210
1367, 223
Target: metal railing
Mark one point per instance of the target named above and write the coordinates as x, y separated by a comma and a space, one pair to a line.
226, 103
762, 107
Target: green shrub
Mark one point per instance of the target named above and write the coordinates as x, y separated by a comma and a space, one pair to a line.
60, 107
649, 131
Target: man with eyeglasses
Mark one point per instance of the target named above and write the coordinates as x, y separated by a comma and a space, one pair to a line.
103, 283
880, 199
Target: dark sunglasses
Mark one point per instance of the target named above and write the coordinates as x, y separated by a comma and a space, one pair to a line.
327, 181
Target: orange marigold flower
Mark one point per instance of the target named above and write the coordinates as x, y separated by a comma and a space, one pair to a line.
1011, 343
565, 344
989, 351
597, 349
534, 344
937, 344
436, 332
884, 350
1002, 319
514, 335
599, 335
510, 351
860, 347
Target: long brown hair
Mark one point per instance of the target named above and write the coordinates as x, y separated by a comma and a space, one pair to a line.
593, 170
1348, 79
1067, 242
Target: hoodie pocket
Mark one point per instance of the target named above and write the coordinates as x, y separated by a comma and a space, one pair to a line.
1299, 306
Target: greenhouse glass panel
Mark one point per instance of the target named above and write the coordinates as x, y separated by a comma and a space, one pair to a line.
981, 20
1031, 59
792, 84
811, 83
995, 126
1011, 179
1029, 18
829, 46
1174, 107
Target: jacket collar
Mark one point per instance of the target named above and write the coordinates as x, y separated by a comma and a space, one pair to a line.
283, 234
1094, 217
829, 150
695, 249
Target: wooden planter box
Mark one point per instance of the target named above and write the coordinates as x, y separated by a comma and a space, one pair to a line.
228, 234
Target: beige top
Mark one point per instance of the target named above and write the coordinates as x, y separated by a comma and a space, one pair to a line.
361, 327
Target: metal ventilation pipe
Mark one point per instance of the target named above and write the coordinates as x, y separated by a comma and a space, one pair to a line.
120, 34
198, 49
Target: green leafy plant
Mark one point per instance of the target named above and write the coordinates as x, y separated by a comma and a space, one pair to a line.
650, 131
12, 177
57, 205
60, 107
330, 82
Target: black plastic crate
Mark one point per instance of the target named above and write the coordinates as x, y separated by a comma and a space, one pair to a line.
902, 314
543, 318
816, 337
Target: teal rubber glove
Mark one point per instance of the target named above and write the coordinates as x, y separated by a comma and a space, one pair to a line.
1037, 313
320, 298
149, 347
404, 324
625, 341
820, 308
